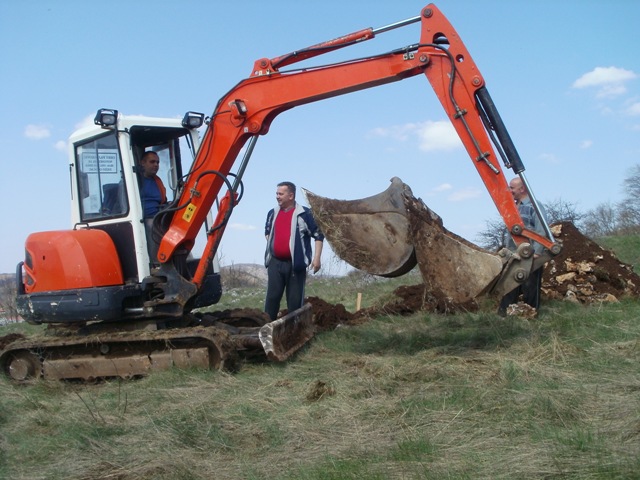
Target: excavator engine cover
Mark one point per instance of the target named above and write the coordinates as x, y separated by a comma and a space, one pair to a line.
67, 260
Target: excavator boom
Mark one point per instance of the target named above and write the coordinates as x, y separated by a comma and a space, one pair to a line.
249, 108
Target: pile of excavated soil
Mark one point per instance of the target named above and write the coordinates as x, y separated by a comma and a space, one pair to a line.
585, 272
327, 316
409, 299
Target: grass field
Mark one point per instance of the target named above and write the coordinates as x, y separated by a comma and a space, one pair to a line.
469, 396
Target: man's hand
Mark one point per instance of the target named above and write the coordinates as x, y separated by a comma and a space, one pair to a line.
315, 265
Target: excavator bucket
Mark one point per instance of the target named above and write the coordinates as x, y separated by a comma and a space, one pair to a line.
370, 234
451, 267
284, 336
387, 234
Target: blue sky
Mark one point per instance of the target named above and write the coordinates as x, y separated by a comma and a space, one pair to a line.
563, 74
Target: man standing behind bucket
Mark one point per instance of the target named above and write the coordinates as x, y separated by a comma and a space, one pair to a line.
530, 289
289, 229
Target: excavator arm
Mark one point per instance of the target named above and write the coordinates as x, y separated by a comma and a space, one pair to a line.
248, 109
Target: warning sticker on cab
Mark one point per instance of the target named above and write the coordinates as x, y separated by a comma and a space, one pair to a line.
188, 213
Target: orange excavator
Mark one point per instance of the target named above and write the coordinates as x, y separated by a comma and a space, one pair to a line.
114, 311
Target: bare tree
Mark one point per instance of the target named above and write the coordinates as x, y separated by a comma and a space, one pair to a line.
629, 209
631, 185
8, 307
494, 236
628, 219
560, 210
600, 221
619, 219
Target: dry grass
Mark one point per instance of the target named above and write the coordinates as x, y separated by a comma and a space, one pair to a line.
464, 397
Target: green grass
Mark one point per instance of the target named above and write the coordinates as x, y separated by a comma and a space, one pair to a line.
626, 247
468, 396
375, 291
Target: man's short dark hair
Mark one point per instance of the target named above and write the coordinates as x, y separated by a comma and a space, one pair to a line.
291, 186
148, 153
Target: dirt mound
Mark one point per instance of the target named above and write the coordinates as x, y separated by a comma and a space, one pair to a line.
327, 316
585, 272
410, 299
7, 339
414, 298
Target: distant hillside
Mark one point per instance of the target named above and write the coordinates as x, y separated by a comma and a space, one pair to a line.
244, 275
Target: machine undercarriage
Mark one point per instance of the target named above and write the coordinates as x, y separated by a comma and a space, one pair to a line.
214, 341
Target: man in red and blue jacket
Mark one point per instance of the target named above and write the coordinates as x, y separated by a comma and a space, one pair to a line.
289, 229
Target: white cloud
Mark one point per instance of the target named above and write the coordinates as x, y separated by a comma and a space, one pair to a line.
586, 144
610, 91
465, 194
60, 145
36, 132
438, 136
242, 226
401, 133
432, 136
605, 110
86, 121
548, 157
609, 80
634, 109
443, 188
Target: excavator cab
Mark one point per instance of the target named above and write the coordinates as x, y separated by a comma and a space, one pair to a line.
100, 269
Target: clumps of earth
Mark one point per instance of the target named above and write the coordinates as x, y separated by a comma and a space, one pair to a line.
409, 299
584, 272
